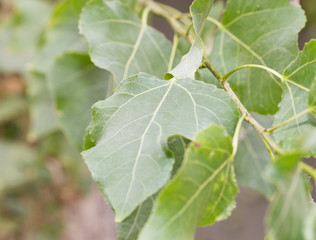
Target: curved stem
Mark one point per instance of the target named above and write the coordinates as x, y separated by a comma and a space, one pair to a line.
289, 120
308, 169
270, 70
173, 51
236, 135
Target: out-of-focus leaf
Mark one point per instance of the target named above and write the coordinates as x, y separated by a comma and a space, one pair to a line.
21, 34
76, 84
299, 76
11, 107
290, 205
252, 158
257, 32
41, 106
62, 34
140, 49
15, 165
139, 117
204, 186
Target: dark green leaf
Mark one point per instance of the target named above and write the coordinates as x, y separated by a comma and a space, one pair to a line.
204, 186
257, 32
131, 127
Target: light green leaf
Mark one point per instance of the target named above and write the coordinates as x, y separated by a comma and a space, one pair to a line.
200, 10
312, 96
299, 76
193, 59
20, 35
189, 62
76, 84
15, 165
42, 109
131, 128
121, 43
287, 213
245, 36
252, 158
133, 224
62, 34
310, 226
205, 183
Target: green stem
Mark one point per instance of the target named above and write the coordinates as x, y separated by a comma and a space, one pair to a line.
289, 120
236, 135
275, 73
253, 122
308, 169
173, 51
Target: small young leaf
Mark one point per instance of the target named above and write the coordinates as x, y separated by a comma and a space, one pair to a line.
245, 36
204, 186
286, 215
298, 76
121, 43
131, 128
76, 84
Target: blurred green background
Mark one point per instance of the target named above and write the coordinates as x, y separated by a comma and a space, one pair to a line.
46, 191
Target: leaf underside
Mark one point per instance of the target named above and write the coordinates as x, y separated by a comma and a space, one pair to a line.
129, 161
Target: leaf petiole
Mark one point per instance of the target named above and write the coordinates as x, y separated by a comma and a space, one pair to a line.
173, 51
290, 120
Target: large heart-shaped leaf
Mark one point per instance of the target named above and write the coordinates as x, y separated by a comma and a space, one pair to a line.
299, 76
258, 32
121, 43
131, 128
76, 84
205, 184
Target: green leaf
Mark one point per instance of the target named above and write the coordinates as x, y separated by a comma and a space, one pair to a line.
130, 228
177, 146
299, 76
310, 226
140, 49
42, 109
252, 159
76, 84
133, 224
20, 35
245, 36
289, 208
205, 184
15, 165
62, 34
200, 10
131, 127
312, 96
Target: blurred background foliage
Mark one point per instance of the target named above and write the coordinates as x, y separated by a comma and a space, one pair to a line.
40, 171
